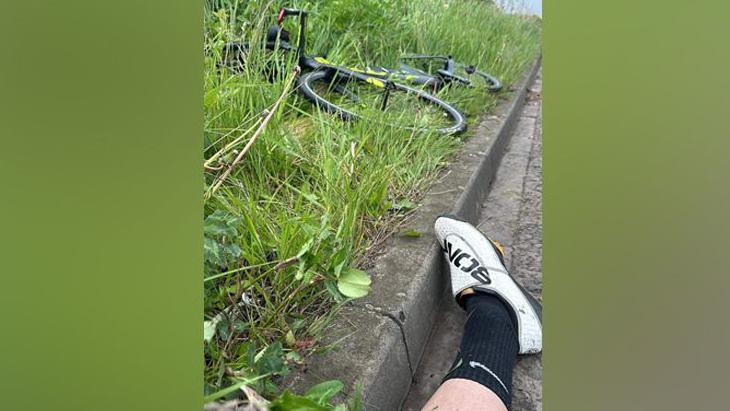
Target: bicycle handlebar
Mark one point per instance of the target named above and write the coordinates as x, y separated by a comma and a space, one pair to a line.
285, 12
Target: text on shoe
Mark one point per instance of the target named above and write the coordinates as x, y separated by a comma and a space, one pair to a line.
471, 264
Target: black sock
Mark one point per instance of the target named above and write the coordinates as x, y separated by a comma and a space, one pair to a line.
489, 346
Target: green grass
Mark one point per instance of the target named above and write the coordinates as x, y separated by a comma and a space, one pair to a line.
313, 194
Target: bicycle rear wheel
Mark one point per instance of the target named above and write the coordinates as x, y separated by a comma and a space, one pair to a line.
355, 97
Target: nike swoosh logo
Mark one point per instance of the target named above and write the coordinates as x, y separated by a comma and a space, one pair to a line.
474, 364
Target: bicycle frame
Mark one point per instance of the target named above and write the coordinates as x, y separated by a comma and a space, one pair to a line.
377, 76
448, 72
448, 60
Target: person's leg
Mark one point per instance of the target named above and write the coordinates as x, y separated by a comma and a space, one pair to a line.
502, 321
481, 377
466, 395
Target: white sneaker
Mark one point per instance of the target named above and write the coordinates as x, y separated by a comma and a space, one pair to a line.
477, 262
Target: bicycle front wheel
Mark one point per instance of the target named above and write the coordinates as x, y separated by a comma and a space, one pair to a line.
478, 78
371, 99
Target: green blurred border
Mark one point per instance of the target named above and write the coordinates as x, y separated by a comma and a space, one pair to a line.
636, 131
101, 205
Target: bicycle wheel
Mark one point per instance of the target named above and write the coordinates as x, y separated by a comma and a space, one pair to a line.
353, 97
477, 77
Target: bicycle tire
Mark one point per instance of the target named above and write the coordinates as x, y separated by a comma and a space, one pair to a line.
455, 121
492, 83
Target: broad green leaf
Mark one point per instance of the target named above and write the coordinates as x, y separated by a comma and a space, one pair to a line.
221, 223
354, 283
290, 340
225, 328
237, 386
338, 268
324, 391
270, 360
209, 330
291, 402
294, 356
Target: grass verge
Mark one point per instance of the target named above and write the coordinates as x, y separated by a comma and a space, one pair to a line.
287, 229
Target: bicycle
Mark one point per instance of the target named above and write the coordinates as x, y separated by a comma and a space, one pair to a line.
452, 72
354, 93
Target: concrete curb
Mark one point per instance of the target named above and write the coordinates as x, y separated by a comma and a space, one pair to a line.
379, 340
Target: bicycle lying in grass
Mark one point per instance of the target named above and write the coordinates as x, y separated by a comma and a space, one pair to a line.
371, 93
451, 73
